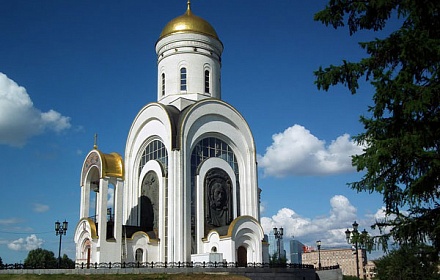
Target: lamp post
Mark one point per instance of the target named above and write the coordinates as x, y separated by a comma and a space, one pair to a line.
356, 238
278, 236
318, 244
60, 230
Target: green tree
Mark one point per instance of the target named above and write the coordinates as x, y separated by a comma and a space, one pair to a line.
1, 263
40, 258
408, 263
66, 262
401, 160
277, 261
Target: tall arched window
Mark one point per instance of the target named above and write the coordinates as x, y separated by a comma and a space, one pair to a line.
208, 148
182, 78
154, 151
163, 84
206, 81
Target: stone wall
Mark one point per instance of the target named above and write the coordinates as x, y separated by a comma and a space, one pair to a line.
332, 274
252, 273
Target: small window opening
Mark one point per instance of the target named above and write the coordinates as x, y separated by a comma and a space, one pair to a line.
207, 81
163, 84
183, 79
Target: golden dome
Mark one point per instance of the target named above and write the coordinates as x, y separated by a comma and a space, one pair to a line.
188, 23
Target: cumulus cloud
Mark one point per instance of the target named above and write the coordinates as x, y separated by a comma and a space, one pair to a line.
19, 119
29, 243
329, 228
40, 208
381, 216
298, 152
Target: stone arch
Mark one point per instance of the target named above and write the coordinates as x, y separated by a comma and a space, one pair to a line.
86, 251
91, 190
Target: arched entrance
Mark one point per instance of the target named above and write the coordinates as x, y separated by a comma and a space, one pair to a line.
242, 256
86, 252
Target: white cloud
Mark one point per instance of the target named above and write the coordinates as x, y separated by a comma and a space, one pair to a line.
10, 221
329, 228
262, 207
110, 197
19, 119
55, 120
29, 243
381, 216
40, 208
298, 152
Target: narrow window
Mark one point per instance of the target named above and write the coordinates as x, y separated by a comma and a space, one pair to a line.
163, 84
206, 81
183, 78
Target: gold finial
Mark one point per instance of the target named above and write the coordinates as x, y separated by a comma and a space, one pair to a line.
95, 141
188, 9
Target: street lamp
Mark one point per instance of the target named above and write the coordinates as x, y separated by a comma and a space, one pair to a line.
318, 244
60, 230
278, 236
356, 238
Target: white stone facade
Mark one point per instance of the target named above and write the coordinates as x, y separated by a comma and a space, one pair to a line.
187, 187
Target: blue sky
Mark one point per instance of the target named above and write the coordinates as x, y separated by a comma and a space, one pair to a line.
70, 69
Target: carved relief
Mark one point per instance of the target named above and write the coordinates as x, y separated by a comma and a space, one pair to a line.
150, 202
218, 199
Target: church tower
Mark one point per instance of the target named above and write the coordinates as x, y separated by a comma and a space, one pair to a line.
187, 188
189, 61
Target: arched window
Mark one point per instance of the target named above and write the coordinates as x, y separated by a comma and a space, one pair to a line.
208, 148
183, 79
139, 255
163, 84
206, 81
154, 151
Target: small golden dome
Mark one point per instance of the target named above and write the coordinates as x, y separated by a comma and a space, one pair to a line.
188, 23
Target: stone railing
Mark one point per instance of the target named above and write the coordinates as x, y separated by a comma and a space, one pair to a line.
118, 265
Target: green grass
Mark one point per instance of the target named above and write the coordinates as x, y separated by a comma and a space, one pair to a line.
120, 276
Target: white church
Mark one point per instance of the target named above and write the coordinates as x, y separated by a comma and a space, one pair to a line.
186, 189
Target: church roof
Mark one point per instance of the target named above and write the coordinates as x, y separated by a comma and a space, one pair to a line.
110, 165
188, 23
113, 165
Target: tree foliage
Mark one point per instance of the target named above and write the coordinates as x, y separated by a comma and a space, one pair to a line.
40, 258
276, 260
66, 262
401, 159
408, 263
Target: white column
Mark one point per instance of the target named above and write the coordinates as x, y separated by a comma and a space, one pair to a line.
118, 207
85, 201
171, 210
102, 210
180, 219
200, 214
